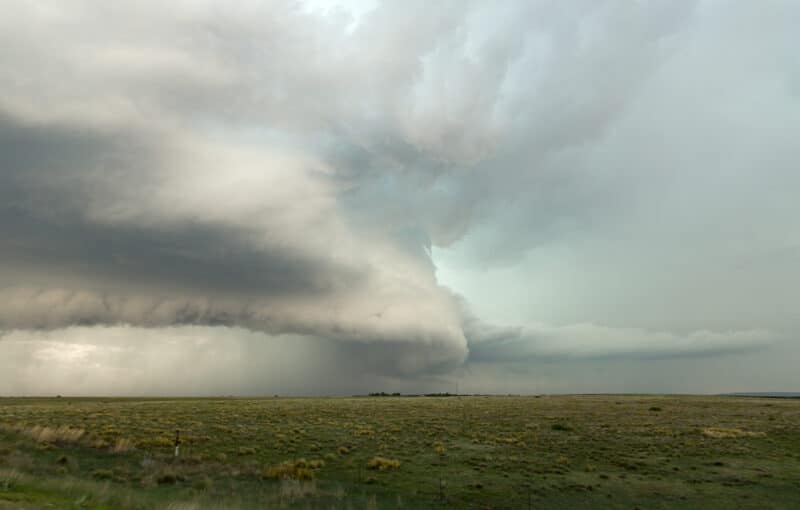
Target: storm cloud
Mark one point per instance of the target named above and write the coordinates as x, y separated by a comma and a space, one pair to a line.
392, 194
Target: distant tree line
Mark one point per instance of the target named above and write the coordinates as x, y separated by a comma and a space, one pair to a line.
398, 394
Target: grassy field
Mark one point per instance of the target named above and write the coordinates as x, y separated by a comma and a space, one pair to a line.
402, 452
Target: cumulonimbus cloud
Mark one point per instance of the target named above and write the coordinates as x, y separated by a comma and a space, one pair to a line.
286, 170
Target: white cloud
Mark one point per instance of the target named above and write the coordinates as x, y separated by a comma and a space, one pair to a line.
587, 341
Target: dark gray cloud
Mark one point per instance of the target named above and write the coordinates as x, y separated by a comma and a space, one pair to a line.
107, 227
51, 174
600, 180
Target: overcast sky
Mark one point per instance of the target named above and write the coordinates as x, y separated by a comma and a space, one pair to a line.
333, 197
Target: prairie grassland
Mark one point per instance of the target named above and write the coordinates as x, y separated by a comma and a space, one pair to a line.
402, 452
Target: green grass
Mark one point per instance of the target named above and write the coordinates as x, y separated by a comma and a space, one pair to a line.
464, 452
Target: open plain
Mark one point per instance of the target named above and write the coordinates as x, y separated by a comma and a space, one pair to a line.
401, 452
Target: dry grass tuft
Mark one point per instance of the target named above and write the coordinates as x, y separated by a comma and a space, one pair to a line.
98, 443
60, 435
316, 464
122, 445
246, 450
382, 464
722, 433
300, 469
